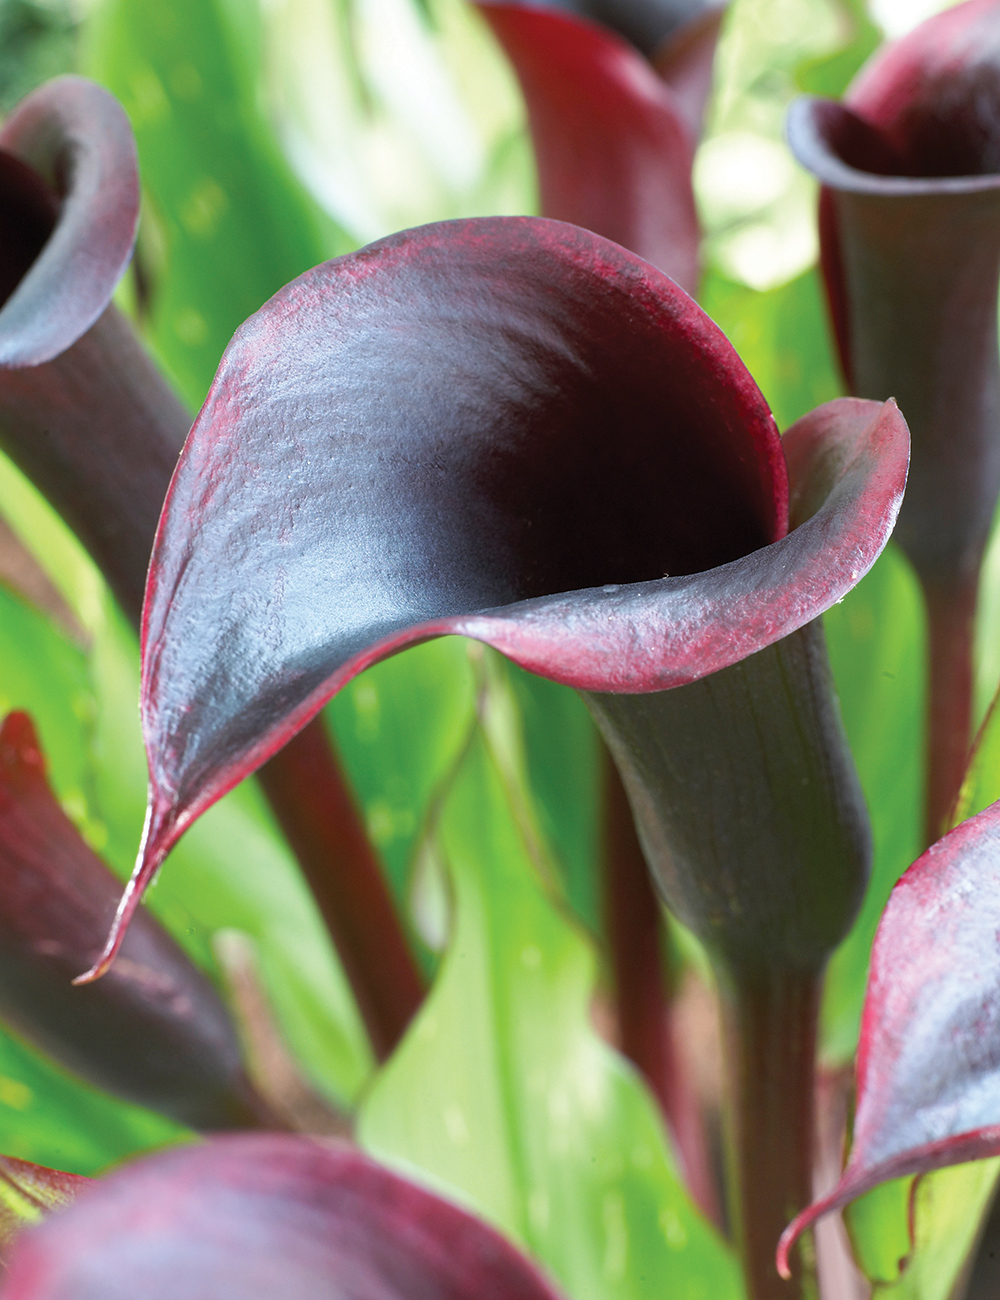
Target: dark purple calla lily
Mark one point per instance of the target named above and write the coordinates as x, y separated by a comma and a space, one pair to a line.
251, 1218
511, 429
87, 416
929, 1057
910, 229
155, 1032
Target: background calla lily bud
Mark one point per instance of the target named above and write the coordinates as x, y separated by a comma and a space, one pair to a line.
929, 1057
573, 428
90, 420
614, 135
155, 1032
910, 229
255, 1217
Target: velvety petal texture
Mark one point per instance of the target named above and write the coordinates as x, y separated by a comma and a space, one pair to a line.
928, 1074
612, 144
155, 1031
258, 1217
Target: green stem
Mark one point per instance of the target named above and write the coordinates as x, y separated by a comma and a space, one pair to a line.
769, 1020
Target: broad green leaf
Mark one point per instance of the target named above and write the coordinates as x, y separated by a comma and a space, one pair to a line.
830, 74
227, 224
947, 1211
781, 335
503, 1094
49, 1117
876, 649
399, 728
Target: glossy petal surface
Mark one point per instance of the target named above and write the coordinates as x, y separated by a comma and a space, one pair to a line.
612, 148
155, 1031
241, 1218
929, 1059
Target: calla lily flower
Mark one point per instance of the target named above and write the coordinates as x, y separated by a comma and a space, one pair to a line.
615, 94
155, 1032
511, 429
253, 1217
910, 230
90, 420
929, 1056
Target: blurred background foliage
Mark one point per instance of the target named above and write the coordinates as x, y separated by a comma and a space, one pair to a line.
273, 134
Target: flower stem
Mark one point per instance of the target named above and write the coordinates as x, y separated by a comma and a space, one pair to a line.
308, 791
642, 992
769, 1020
951, 610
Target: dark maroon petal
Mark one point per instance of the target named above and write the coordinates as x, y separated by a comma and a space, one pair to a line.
155, 1031
612, 146
248, 1217
28, 1191
928, 1075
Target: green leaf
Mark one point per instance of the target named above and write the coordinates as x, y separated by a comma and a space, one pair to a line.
830, 74
781, 336
947, 1212
876, 648
227, 224
502, 1094
399, 727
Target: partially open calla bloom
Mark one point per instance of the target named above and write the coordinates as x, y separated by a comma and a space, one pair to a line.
929, 1056
910, 228
615, 107
512, 429
89, 419
251, 1218
155, 1032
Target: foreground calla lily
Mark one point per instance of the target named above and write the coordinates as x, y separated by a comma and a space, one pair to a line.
258, 1217
910, 230
512, 429
615, 107
90, 420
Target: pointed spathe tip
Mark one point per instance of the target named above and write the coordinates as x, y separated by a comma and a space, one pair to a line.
158, 836
841, 1194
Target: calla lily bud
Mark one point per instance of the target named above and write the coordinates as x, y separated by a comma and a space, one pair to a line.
255, 1217
615, 94
910, 229
155, 1032
512, 429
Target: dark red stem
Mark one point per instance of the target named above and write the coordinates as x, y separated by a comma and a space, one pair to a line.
308, 791
769, 1020
642, 992
951, 611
